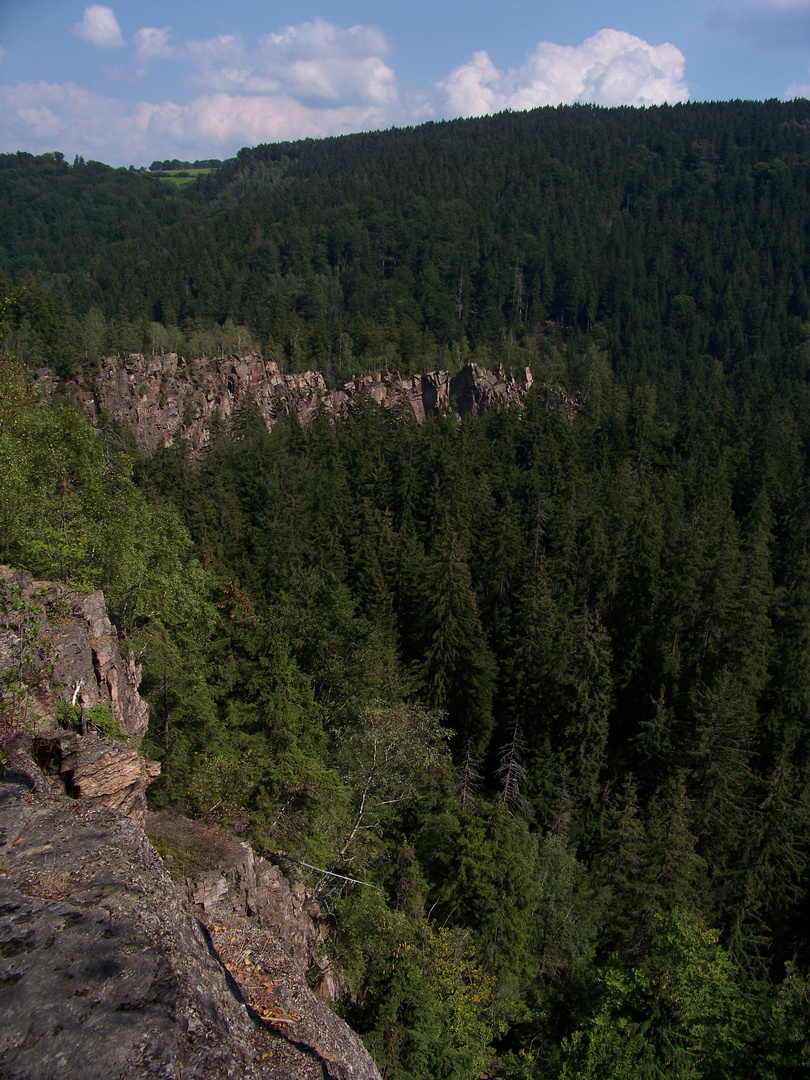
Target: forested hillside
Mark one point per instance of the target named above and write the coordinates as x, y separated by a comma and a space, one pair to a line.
536, 686
667, 233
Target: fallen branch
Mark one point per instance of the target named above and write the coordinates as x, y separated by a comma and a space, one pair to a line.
327, 873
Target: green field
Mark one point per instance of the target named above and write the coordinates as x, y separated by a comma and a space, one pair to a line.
179, 177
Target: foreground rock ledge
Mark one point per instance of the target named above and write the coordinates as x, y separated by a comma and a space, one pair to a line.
106, 975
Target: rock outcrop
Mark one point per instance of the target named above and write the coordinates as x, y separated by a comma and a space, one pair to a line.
166, 398
93, 767
269, 932
106, 973
66, 649
228, 884
104, 969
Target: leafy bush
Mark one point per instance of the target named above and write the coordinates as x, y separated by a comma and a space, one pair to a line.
99, 717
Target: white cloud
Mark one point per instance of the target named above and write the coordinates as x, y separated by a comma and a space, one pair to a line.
313, 80
46, 116
610, 68
325, 40
227, 48
99, 26
152, 44
231, 120
316, 62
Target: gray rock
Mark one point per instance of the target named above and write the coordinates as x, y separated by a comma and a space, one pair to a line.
84, 653
229, 885
106, 975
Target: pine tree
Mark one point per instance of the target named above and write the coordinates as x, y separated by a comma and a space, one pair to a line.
458, 670
470, 775
586, 725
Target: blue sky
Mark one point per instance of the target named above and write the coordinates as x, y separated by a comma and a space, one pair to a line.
137, 80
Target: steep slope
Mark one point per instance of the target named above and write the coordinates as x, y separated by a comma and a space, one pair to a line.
108, 974
394, 247
108, 968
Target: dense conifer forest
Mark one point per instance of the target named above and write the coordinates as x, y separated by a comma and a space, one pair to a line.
541, 683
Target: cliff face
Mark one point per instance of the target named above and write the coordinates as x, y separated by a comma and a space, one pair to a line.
164, 398
76, 637
106, 973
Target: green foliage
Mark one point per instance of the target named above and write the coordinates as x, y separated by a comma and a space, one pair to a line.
427, 1005
437, 1015
98, 717
27, 660
679, 1014
389, 759
517, 575
66, 508
416, 248
786, 1032
481, 866
459, 670
70, 511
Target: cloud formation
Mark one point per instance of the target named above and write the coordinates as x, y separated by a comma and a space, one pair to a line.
99, 26
209, 54
610, 68
765, 24
225, 120
309, 80
152, 44
48, 116
63, 116
316, 63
